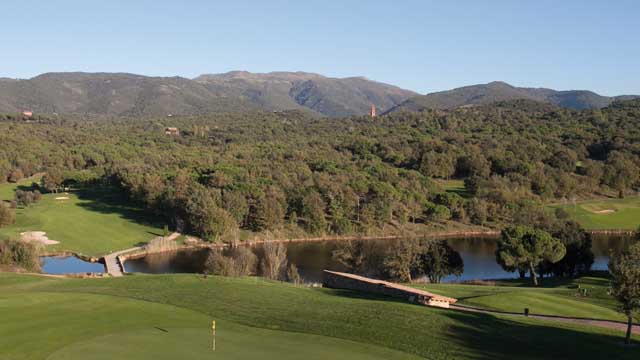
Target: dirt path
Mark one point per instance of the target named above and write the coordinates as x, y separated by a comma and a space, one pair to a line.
609, 324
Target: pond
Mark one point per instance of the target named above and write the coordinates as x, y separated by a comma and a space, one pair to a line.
311, 258
69, 265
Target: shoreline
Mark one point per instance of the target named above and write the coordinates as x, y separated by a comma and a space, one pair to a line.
485, 234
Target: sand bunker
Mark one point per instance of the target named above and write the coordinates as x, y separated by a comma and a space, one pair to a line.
606, 211
38, 237
62, 198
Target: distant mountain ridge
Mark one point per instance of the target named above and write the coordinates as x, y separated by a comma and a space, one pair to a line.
500, 91
126, 94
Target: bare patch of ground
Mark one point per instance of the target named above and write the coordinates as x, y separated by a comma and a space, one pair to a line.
605, 211
37, 237
62, 198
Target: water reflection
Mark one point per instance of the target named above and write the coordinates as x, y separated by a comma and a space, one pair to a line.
311, 258
603, 244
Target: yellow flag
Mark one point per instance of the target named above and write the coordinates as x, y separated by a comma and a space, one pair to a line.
213, 324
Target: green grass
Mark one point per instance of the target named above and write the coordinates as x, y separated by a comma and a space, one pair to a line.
8, 190
92, 222
626, 213
167, 317
453, 185
558, 297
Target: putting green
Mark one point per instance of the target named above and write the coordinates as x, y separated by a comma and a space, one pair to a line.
606, 214
43, 325
232, 342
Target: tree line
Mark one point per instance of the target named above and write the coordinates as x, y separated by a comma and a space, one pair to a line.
264, 172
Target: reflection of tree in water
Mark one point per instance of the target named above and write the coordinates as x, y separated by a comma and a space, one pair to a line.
401, 260
474, 245
189, 261
360, 257
602, 244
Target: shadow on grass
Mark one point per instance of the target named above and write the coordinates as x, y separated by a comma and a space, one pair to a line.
485, 336
111, 200
493, 337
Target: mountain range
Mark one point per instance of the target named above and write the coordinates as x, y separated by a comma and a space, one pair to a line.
500, 91
135, 95
123, 94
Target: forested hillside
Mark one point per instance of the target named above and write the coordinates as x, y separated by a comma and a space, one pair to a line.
264, 171
484, 94
121, 94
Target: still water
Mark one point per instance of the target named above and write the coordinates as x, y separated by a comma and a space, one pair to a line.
69, 265
311, 258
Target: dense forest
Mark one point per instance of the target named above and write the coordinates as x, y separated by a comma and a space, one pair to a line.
275, 171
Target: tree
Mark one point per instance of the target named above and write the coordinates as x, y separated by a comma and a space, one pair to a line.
620, 172
24, 198
15, 176
236, 204
245, 260
579, 256
402, 260
266, 211
625, 284
524, 246
52, 180
274, 261
239, 261
206, 218
438, 260
313, 212
293, 276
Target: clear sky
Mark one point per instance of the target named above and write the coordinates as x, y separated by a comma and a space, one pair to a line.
420, 45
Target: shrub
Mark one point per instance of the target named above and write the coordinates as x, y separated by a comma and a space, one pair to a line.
239, 261
19, 253
6, 215
293, 276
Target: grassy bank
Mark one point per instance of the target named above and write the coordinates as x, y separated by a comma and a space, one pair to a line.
606, 214
165, 316
560, 297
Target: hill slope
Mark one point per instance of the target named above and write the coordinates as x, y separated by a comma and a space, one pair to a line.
167, 316
499, 91
135, 95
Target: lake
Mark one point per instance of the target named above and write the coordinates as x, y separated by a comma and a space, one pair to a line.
311, 258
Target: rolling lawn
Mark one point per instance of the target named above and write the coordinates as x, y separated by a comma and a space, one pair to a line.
92, 222
168, 317
595, 215
559, 297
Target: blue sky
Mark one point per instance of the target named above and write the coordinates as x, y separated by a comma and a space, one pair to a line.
420, 45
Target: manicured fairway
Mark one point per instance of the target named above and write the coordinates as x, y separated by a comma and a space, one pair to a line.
167, 317
70, 326
562, 298
606, 214
92, 222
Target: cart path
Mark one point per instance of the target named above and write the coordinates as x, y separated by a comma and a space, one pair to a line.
609, 324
